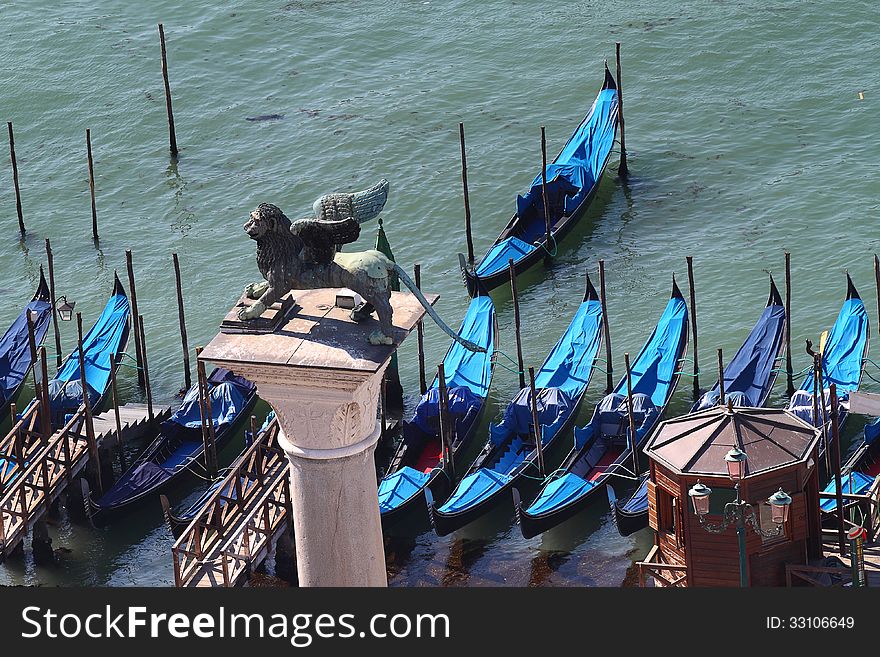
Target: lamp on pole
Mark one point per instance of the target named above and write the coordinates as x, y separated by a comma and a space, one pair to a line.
740, 513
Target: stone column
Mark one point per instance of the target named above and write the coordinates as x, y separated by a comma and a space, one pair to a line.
322, 377
329, 432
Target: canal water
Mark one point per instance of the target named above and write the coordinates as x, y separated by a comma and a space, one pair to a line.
751, 129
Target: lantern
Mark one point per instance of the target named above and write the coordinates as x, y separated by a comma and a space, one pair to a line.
779, 503
736, 464
699, 494
65, 308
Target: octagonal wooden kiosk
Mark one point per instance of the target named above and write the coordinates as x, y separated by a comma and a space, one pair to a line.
781, 453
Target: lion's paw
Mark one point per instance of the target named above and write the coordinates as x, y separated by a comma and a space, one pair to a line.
256, 290
252, 312
379, 338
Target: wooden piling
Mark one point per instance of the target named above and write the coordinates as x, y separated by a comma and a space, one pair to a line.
446, 437
539, 434
18, 443
138, 350
21, 227
632, 420
720, 377
32, 348
94, 457
187, 378
51, 263
877, 283
209, 435
115, 394
203, 411
606, 334
172, 136
143, 337
835, 463
788, 367
92, 185
467, 203
544, 185
516, 324
45, 410
623, 169
690, 267
420, 334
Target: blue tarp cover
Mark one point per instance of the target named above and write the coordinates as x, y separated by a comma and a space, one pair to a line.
639, 500
461, 403
749, 372
229, 394
498, 257
653, 371
872, 430
475, 487
467, 368
573, 173
100, 346
844, 350
560, 492
570, 362
855, 483
397, 488
15, 353
228, 398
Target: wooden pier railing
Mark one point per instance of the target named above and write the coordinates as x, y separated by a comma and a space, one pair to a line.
663, 574
39, 477
240, 523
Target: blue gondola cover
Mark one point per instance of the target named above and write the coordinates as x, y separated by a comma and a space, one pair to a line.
15, 354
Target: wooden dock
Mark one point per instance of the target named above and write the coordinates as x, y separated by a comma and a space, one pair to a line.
241, 523
40, 469
134, 419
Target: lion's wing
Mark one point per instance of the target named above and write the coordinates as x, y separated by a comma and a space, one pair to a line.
321, 237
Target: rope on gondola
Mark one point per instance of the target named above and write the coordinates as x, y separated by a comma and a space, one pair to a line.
514, 371
122, 363
552, 253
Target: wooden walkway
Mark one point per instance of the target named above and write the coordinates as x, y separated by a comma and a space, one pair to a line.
40, 477
134, 419
241, 522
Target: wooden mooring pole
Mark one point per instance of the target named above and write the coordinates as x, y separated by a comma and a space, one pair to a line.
32, 349
634, 443
208, 434
21, 227
720, 376
544, 186
606, 334
788, 367
115, 393
187, 378
536, 423
51, 264
420, 335
516, 324
45, 410
623, 168
139, 357
835, 464
92, 184
172, 136
143, 337
446, 437
94, 457
877, 283
693, 296
467, 203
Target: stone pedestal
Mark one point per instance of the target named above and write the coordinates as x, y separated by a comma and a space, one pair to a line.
322, 377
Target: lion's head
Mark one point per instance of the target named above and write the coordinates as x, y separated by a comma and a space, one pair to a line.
267, 218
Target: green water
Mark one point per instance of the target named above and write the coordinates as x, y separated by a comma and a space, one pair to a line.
746, 136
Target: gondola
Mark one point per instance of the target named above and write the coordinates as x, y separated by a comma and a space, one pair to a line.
418, 462
15, 354
748, 380
103, 348
179, 445
603, 448
178, 522
842, 362
572, 180
510, 453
